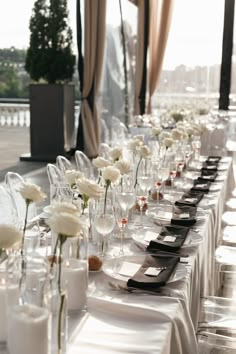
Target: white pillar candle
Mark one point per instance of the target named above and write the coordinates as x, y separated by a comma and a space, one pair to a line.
75, 276
28, 330
9, 296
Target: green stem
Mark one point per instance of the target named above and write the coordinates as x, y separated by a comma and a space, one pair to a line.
25, 224
61, 239
105, 201
136, 174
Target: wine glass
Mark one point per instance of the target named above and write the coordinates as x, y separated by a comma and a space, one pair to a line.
104, 222
141, 196
145, 182
160, 175
173, 172
196, 145
121, 217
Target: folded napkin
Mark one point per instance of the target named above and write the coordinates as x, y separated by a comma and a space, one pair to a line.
184, 215
170, 239
190, 198
213, 159
200, 186
211, 167
147, 282
207, 175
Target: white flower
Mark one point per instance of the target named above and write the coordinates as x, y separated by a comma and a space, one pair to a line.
156, 131
184, 136
10, 237
72, 176
144, 152
31, 192
124, 166
164, 135
100, 162
65, 224
134, 144
89, 188
189, 131
111, 174
63, 207
116, 153
139, 137
176, 134
168, 142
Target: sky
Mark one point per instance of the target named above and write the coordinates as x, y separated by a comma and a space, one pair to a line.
195, 36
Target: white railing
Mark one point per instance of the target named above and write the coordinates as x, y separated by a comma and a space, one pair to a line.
18, 114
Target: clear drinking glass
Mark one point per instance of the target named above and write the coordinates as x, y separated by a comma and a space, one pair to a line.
104, 222
121, 217
173, 172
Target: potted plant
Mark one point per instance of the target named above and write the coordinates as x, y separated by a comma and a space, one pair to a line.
50, 64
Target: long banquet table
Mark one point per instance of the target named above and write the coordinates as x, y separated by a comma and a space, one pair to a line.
125, 323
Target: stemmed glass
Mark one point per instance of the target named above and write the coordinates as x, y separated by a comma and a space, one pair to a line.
104, 223
196, 145
173, 172
141, 196
160, 176
121, 217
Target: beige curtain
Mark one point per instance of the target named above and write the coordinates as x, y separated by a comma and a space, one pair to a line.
139, 55
160, 19
94, 33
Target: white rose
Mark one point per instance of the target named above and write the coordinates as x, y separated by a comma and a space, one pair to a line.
156, 131
65, 224
164, 135
71, 176
184, 136
134, 144
31, 192
123, 166
111, 174
100, 162
89, 188
63, 207
144, 152
10, 237
168, 142
139, 137
176, 134
116, 153
189, 131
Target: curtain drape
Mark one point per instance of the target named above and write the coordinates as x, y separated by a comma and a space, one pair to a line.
94, 36
160, 19
141, 56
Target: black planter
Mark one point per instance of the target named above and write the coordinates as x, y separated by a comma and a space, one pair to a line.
51, 121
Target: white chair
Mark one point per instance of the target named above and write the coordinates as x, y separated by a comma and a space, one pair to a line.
63, 164
104, 151
225, 271
211, 343
83, 164
54, 174
13, 182
229, 218
8, 209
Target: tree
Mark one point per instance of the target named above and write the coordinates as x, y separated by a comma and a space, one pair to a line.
49, 56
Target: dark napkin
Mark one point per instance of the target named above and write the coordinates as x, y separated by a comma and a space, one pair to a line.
180, 232
184, 215
211, 167
142, 281
190, 198
201, 186
213, 159
207, 176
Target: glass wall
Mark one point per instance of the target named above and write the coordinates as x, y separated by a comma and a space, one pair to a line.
191, 68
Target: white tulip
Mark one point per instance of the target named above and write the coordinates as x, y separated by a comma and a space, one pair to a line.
100, 162
10, 237
89, 188
134, 144
123, 166
71, 176
116, 153
144, 152
31, 192
111, 174
66, 224
168, 142
63, 207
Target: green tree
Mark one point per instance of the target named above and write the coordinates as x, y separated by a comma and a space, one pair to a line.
49, 55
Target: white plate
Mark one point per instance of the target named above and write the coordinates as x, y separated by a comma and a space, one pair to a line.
111, 267
190, 240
